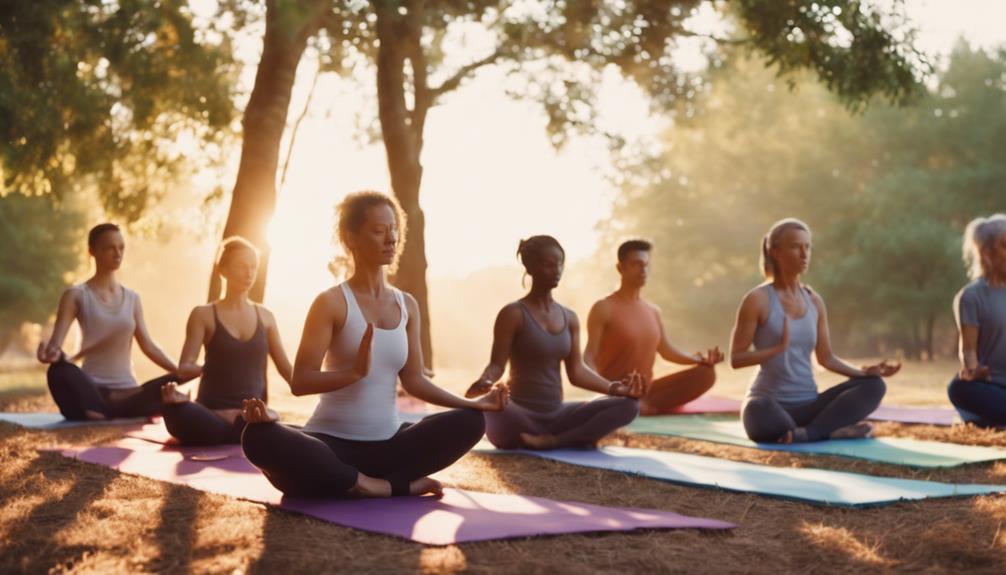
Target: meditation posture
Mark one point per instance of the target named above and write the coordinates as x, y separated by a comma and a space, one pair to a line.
110, 317
367, 333
787, 321
979, 390
625, 333
535, 334
239, 336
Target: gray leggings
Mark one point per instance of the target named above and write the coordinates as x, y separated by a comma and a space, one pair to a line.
766, 420
574, 424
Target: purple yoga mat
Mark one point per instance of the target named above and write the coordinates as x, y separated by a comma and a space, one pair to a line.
928, 415
459, 517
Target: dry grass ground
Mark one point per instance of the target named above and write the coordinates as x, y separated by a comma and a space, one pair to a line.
60, 515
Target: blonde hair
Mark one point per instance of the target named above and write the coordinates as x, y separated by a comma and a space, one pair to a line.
232, 245
771, 240
351, 213
979, 235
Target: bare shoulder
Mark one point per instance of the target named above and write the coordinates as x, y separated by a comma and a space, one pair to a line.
756, 297
574, 320
267, 316
600, 310
815, 297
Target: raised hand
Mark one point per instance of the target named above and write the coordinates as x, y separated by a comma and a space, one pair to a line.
785, 334
883, 369
495, 400
979, 373
361, 367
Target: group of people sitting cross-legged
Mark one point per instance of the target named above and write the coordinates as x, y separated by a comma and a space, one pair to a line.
361, 338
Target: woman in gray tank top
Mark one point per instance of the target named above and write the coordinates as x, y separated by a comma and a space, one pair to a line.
979, 390
239, 337
536, 334
110, 318
786, 321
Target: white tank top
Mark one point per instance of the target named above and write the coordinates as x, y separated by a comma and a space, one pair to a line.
364, 410
109, 329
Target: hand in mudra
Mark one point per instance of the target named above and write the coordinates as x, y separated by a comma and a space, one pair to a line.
883, 369
979, 373
633, 386
255, 411
711, 357
496, 399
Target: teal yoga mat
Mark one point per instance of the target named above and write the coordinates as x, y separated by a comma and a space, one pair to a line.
817, 486
41, 420
898, 451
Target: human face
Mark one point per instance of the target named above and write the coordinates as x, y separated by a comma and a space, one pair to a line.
108, 251
376, 242
240, 270
635, 268
547, 271
995, 257
791, 254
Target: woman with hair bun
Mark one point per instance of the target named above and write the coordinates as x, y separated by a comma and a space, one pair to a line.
110, 317
239, 336
536, 334
786, 322
979, 390
359, 338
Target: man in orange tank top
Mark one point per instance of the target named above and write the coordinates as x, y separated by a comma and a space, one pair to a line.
625, 333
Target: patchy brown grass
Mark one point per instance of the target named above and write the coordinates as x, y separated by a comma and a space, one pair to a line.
62, 515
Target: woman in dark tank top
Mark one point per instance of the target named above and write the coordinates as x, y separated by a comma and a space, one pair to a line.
535, 334
238, 336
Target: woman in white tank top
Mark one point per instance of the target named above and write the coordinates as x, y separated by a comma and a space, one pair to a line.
110, 317
359, 339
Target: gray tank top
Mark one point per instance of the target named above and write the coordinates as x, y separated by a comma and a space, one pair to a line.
107, 333
787, 377
535, 382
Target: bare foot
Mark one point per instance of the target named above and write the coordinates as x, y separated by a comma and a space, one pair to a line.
860, 430
798, 435
170, 394
367, 486
426, 485
94, 415
543, 441
255, 411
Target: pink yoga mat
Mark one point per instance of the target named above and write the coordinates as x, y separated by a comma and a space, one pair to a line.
928, 415
459, 517
709, 404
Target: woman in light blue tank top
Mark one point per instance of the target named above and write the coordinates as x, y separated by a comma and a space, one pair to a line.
979, 390
786, 322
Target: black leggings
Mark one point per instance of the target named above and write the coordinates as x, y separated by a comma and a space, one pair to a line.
318, 465
193, 423
980, 402
76, 393
766, 420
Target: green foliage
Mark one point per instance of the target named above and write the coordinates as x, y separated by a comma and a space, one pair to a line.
96, 94
40, 245
887, 194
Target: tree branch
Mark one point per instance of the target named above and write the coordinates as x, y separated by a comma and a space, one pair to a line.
454, 81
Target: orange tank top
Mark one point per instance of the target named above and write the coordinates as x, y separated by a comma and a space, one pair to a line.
630, 340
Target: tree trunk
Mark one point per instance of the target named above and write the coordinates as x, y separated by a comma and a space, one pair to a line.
289, 25
930, 330
403, 143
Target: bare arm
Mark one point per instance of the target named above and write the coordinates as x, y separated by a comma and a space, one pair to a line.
597, 322
415, 381
586, 378
276, 350
66, 312
971, 369
147, 345
326, 318
749, 315
670, 352
195, 336
508, 321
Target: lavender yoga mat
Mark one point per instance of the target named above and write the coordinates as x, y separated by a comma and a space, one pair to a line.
460, 516
926, 415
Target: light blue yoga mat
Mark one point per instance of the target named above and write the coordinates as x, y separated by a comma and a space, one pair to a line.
899, 451
36, 420
818, 486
